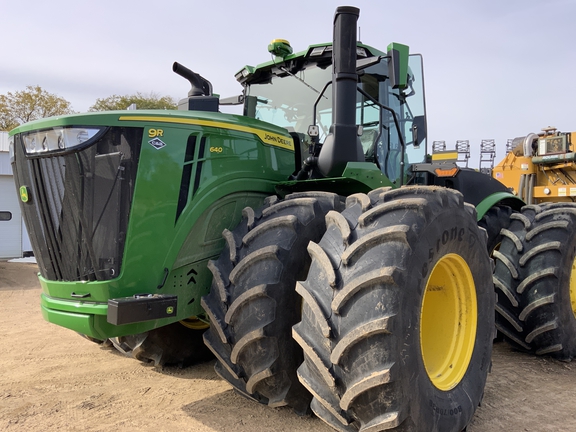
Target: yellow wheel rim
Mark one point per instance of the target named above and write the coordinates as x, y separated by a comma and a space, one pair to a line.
573, 287
194, 323
448, 322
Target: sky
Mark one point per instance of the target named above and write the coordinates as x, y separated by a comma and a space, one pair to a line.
494, 69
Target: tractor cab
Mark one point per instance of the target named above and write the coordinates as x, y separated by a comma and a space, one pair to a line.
294, 91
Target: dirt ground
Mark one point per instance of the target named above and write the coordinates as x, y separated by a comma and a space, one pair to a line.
52, 379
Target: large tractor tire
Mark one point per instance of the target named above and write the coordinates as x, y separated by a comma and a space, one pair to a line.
253, 304
544, 320
177, 344
495, 219
398, 315
509, 272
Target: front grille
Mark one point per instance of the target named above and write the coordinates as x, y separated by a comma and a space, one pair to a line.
79, 204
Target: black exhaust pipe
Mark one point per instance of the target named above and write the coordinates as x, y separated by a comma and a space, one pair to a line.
200, 97
342, 145
200, 85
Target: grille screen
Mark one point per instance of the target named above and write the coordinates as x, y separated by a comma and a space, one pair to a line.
79, 204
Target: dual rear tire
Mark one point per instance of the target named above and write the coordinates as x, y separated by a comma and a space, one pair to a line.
535, 279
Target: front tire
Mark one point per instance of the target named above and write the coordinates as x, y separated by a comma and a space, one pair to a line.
398, 315
253, 305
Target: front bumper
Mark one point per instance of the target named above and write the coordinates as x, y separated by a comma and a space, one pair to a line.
90, 318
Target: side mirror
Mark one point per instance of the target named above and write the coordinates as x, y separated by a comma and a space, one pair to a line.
418, 130
398, 65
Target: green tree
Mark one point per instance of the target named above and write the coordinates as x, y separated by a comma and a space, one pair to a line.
151, 101
31, 104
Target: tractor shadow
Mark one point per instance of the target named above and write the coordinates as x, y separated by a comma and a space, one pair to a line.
228, 411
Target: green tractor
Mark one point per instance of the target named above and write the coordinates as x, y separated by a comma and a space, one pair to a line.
307, 244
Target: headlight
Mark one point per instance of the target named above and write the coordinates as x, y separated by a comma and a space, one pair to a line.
58, 139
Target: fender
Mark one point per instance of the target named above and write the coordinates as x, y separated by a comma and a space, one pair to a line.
479, 189
506, 198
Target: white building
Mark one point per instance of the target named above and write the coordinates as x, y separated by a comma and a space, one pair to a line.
14, 241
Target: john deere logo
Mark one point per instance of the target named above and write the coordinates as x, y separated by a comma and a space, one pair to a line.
169, 310
24, 193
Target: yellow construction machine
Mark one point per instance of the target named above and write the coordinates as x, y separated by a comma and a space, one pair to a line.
541, 168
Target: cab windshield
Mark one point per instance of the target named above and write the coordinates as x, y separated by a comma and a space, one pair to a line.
287, 100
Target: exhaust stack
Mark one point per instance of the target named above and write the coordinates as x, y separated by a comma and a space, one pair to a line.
342, 145
200, 96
